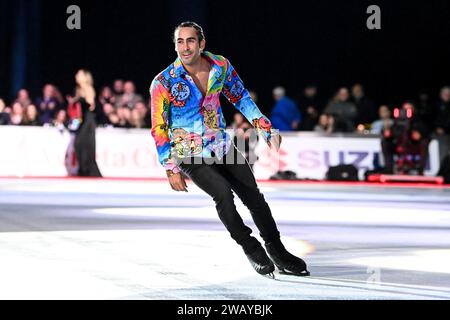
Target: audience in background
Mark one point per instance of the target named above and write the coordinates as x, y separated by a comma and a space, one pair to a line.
60, 120
106, 96
442, 119
144, 114
286, 115
310, 107
136, 119
31, 116
326, 124
343, 110
123, 117
48, 104
118, 88
122, 107
23, 98
4, 113
129, 98
425, 109
16, 116
104, 117
384, 122
366, 110
242, 136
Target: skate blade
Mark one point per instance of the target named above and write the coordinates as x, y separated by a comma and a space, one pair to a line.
297, 274
269, 275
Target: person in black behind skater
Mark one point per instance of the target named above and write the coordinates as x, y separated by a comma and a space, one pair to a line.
83, 105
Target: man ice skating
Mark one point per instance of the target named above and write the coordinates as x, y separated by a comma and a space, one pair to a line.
189, 131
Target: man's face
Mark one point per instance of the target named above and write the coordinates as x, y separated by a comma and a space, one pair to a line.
187, 45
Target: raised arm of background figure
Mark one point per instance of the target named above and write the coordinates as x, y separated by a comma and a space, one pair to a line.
160, 125
238, 95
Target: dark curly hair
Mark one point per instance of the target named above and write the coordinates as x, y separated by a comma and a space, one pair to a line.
190, 24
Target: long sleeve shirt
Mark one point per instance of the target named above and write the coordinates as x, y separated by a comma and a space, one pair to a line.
187, 124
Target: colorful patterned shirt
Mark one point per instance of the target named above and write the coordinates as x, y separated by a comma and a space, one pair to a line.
187, 124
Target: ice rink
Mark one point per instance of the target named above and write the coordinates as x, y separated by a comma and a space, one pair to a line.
138, 239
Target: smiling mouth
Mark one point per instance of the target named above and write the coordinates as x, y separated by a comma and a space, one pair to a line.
187, 55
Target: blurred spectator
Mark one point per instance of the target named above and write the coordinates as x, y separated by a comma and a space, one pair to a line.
365, 107
47, 104
136, 119
104, 118
129, 98
310, 108
106, 96
144, 113
113, 119
343, 110
442, 119
57, 95
384, 122
237, 121
16, 114
426, 110
4, 115
123, 117
60, 120
417, 124
340, 115
118, 88
254, 96
242, 137
23, 98
285, 114
323, 125
328, 124
31, 116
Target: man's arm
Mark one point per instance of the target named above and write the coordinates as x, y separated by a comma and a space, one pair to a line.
238, 95
160, 132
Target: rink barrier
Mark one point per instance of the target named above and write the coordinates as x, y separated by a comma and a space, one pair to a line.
131, 153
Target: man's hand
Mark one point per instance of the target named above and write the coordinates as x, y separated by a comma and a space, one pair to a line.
275, 142
177, 182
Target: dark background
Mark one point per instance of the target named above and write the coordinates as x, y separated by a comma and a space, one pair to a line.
269, 43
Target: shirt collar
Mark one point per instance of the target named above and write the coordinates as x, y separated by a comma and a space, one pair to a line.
179, 68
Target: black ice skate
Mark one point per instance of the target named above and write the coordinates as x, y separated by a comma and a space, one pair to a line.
261, 262
286, 262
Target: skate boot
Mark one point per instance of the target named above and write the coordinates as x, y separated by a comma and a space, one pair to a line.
261, 262
286, 262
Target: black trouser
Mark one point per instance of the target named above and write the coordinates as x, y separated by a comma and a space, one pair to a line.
219, 179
